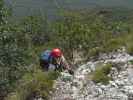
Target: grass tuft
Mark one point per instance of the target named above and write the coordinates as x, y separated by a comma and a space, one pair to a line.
101, 74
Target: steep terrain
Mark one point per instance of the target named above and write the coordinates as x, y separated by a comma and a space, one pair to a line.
81, 87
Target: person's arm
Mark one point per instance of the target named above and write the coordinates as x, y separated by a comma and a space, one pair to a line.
65, 63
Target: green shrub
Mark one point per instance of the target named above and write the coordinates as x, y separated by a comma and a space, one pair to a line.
20, 46
100, 75
129, 43
106, 69
34, 84
131, 62
113, 44
95, 51
53, 75
130, 47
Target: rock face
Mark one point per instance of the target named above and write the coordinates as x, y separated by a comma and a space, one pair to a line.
80, 87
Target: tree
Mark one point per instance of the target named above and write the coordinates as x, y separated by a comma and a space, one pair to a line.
13, 56
1, 12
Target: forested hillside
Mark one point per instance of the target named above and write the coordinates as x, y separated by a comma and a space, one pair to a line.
52, 7
91, 32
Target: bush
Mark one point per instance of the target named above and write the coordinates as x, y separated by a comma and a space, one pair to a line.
107, 68
131, 62
129, 43
13, 61
100, 75
83, 32
113, 44
34, 84
93, 52
130, 48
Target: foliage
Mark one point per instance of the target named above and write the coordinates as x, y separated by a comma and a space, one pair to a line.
100, 75
13, 63
94, 52
130, 48
129, 43
34, 84
2, 13
90, 32
37, 28
131, 62
93, 34
113, 44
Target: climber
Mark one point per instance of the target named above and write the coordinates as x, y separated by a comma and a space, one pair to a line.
54, 59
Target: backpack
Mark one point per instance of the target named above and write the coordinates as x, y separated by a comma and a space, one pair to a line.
45, 56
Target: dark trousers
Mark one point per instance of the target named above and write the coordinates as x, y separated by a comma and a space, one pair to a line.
44, 65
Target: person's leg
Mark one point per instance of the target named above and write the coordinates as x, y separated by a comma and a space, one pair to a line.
44, 65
